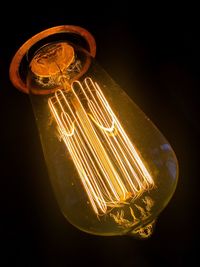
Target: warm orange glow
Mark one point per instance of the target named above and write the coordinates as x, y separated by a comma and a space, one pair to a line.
109, 166
52, 59
111, 169
14, 72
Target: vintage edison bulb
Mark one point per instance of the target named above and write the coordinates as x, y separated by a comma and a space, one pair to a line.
111, 169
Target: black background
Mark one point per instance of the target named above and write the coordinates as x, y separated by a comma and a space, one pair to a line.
153, 54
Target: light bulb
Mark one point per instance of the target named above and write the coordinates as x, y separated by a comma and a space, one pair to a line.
112, 170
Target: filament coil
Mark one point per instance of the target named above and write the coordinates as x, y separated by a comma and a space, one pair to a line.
109, 166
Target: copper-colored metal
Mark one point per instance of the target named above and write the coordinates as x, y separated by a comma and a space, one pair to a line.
45, 64
16, 61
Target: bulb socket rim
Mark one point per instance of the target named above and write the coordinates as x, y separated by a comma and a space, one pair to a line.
19, 55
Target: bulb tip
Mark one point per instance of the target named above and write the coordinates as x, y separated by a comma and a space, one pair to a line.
143, 232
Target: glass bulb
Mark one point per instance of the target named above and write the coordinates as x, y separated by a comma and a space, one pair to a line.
112, 170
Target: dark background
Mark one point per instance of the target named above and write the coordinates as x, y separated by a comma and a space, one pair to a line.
153, 54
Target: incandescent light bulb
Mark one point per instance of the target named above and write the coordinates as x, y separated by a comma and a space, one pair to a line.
112, 171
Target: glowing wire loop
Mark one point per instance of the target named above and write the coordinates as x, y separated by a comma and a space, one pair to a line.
108, 164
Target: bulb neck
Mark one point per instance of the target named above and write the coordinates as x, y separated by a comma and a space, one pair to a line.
18, 64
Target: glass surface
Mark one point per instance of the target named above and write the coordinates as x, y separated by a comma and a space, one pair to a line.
112, 170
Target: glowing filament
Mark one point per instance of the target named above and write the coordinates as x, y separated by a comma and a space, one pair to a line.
108, 164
